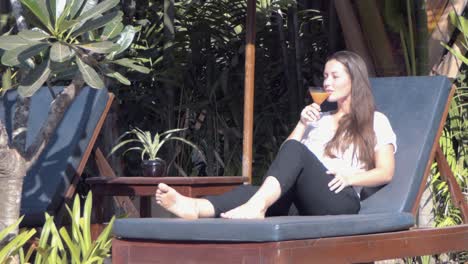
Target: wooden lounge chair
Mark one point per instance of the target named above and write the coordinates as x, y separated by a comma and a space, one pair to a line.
52, 180
384, 228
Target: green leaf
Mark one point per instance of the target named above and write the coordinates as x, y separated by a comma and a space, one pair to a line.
34, 80
172, 131
66, 73
85, 6
90, 76
131, 64
66, 12
33, 35
18, 55
67, 24
98, 47
57, 8
105, 234
112, 29
456, 53
460, 22
40, 11
76, 6
6, 80
99, 9
7, 230
119, 77
98, 22
76, 218
10, 42
124, 41
86, 228
61, 52
71, 246
15, 244
44, 237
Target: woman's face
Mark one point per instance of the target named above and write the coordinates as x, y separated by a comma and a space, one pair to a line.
336, 81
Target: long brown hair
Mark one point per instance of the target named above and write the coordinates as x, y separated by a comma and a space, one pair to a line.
356, 127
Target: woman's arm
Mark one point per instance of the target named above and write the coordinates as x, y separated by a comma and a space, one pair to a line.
381, 174
309, 114
298, 132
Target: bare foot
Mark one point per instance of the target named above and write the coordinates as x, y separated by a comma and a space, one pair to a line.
174, 202
249, 210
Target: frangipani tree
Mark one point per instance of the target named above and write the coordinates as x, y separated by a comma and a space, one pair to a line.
72, 42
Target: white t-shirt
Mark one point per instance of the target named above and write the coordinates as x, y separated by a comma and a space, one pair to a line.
318, 135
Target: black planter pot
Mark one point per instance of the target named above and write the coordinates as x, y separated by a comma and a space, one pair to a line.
154, 168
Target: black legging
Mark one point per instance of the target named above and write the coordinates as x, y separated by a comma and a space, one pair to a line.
304, 183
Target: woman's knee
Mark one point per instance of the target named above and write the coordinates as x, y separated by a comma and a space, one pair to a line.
292, 143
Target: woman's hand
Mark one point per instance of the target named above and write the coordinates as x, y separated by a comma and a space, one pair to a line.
339, 182
310, 113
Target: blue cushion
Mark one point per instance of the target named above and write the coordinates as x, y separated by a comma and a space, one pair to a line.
414, 106
271, 229
47, 181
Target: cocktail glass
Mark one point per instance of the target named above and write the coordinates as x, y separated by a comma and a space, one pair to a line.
318, 94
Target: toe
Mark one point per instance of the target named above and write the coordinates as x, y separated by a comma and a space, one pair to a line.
163, 187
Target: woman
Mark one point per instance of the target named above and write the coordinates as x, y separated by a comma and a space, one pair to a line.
325, 161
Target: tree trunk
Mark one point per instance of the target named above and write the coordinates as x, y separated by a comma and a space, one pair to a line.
377, 39
14, 163
352, 32
12, 172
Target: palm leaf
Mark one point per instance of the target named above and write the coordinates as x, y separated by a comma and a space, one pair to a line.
19, 55
40, 11
98, 23
132, 65
112, 29
33, 81
124, 41
119, 77
98, 47
9, 42
61, 52
90, 76
97, 10
33, 35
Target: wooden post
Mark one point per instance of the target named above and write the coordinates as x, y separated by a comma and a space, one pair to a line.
249, 90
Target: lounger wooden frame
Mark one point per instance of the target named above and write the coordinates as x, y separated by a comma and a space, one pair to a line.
349, 249
70, 192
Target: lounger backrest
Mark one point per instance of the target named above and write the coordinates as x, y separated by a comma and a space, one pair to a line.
48, 180
414, 106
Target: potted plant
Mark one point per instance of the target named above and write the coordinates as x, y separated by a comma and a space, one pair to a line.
149, 146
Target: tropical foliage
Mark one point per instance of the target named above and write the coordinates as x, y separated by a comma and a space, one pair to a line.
13, 246
453, 143
69, 36
67, 245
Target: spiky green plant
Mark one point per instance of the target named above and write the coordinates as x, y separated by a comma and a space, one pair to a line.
148, 144
13, 246
74, 244
71, 244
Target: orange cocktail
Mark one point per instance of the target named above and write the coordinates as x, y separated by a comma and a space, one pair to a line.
318, 95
